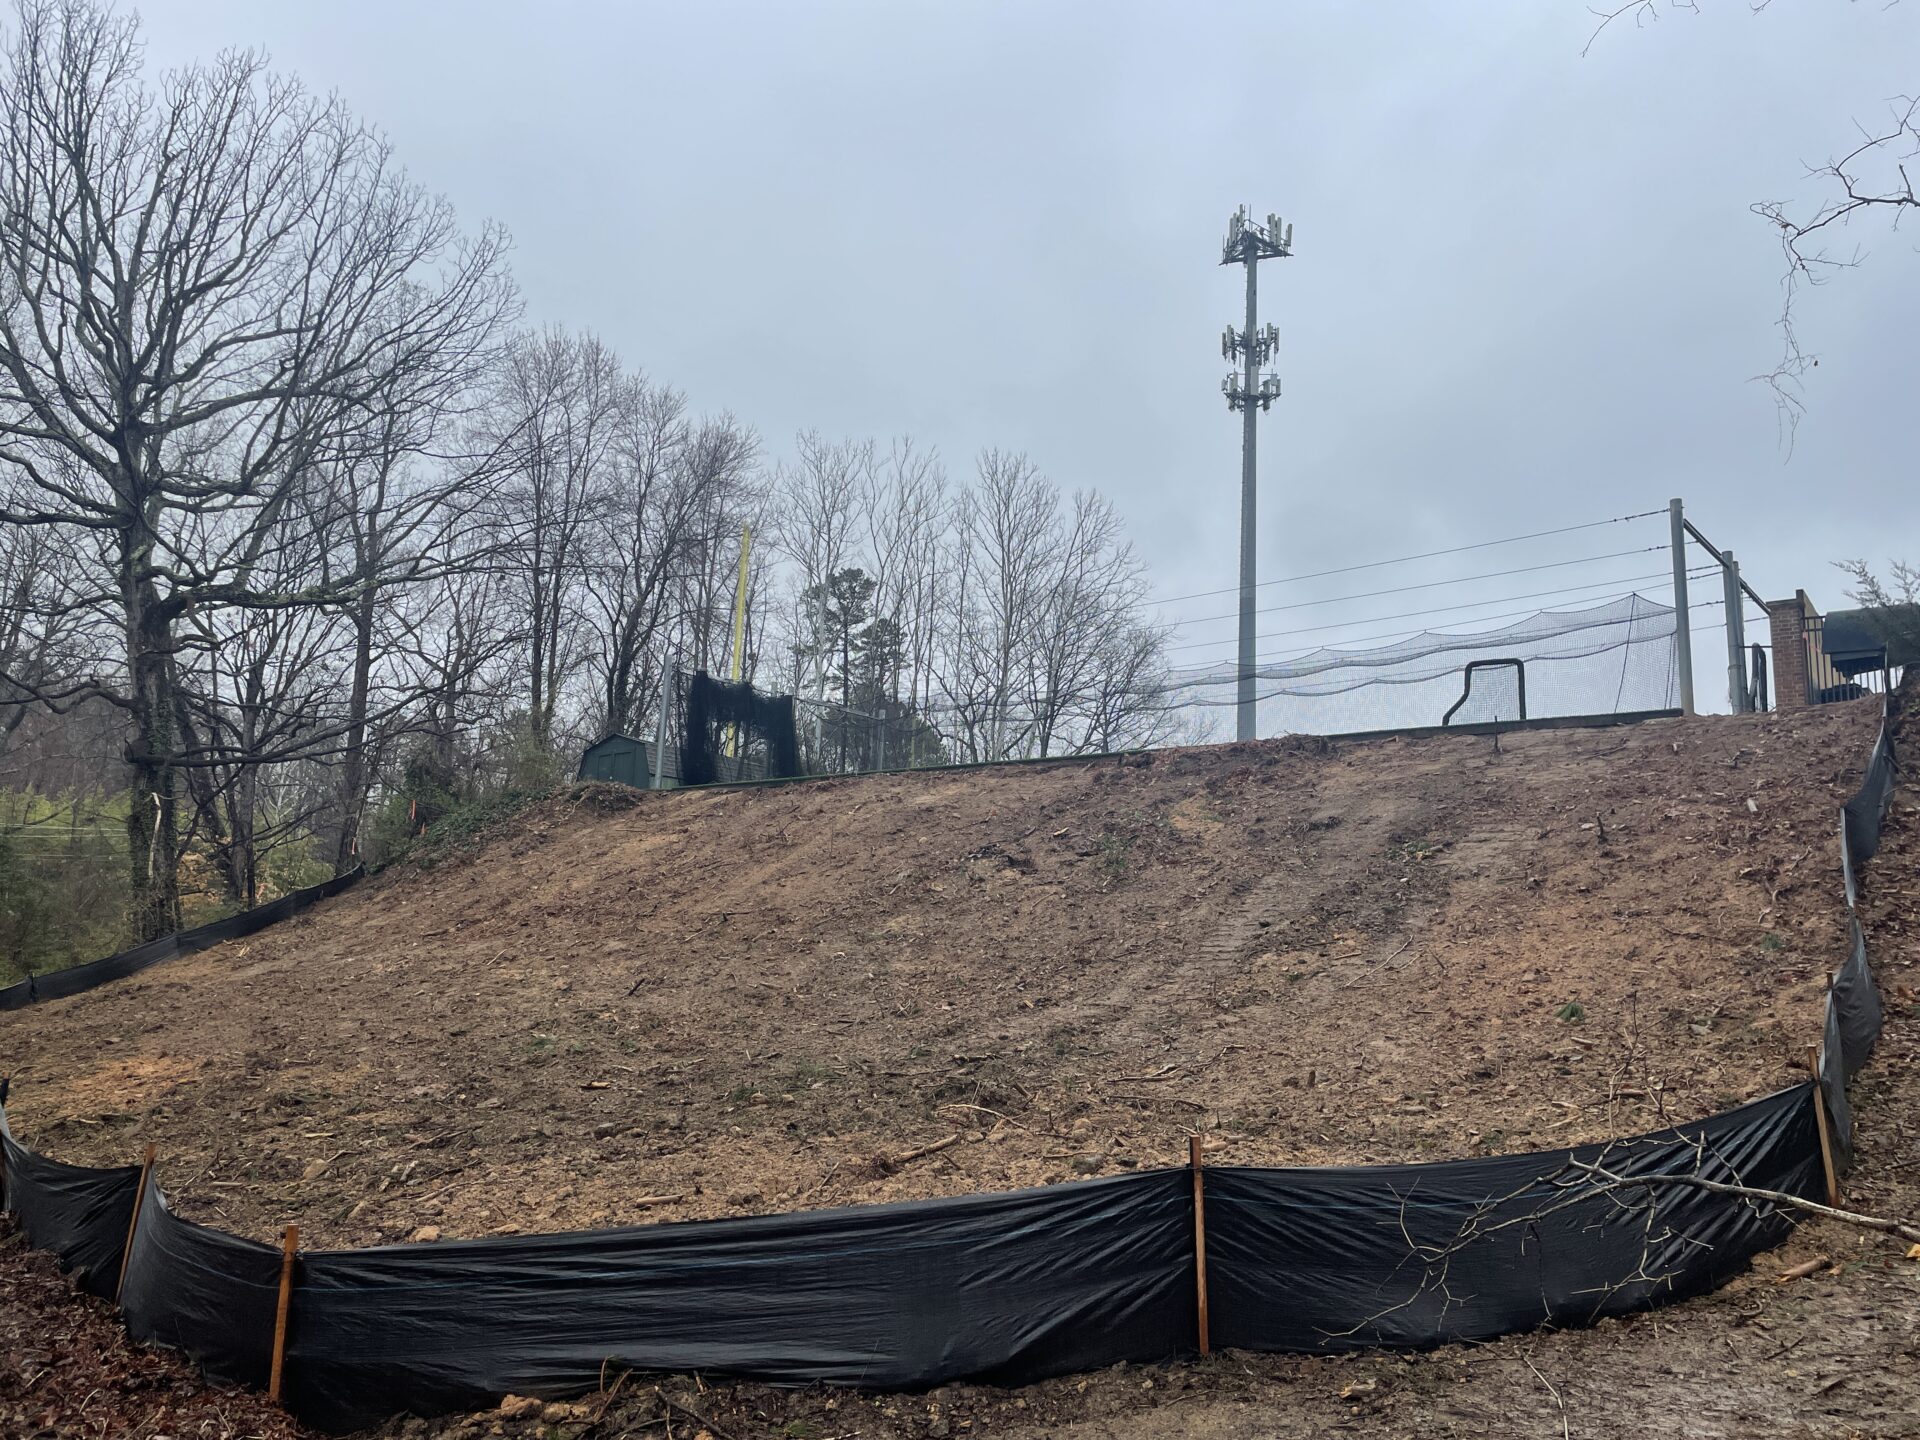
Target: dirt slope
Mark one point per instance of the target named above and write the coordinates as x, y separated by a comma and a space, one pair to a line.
629, 1007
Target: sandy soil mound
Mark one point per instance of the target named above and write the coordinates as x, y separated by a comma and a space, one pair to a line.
627, 1007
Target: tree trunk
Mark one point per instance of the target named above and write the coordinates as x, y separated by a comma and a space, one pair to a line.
353, 769
154, 904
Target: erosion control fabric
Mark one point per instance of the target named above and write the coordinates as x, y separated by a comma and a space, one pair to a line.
77, 1212
57, 984
1000, 1288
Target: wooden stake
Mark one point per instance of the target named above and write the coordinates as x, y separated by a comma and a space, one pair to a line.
1199, 1238
289, 1243
1826, 1136
133, 1221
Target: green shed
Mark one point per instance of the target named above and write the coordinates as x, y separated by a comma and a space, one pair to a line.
625, 760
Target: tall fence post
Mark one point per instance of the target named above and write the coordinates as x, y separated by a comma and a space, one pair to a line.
1682, 612
1199, 1239
289, 1244
1736, 634
133, 1221
667, 679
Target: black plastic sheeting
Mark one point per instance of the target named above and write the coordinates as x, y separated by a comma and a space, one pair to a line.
1407, 1256
202, 1291
1854, 1003
77, 1212
57, 984
1865, 812
1832, 1067
1005, 1288
1002, 1288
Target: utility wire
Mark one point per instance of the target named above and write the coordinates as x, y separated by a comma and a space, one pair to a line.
1427, 585
1439, 610
1428, 555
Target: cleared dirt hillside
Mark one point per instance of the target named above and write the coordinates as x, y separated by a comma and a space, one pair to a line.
626, 1007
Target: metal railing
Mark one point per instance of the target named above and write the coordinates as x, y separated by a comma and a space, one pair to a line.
1826, 682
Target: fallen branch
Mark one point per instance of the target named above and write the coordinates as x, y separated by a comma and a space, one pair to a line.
1804, 1269
962, 1105
1165, 1072
1565, 1432
1161, 1100
1611, 1180
907, 1157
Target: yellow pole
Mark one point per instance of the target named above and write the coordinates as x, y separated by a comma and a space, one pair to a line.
739, 629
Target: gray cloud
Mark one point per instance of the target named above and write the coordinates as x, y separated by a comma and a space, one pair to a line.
1528, 289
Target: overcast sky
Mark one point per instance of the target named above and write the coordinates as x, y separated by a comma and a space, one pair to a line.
1528, 291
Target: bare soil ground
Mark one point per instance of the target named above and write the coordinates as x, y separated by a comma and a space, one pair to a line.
626, 1008
781, 991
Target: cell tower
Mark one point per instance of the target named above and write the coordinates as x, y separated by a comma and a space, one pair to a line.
1248, 243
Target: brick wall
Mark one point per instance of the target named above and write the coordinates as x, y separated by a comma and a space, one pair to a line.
1787, 620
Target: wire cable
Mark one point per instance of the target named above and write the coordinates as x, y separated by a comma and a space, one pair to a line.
1426, 585
1569, 590
1428, 555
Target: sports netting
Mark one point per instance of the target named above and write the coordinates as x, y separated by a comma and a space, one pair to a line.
1493, 690
731, 731
1613, 658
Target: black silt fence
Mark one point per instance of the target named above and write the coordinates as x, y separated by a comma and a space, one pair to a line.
1001, 1288
1004, 1288
1412, 1255
57, 984
77, 1212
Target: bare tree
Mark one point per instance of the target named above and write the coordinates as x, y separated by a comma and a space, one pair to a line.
663, 546
1006, 528
49, 632
453, 656
1869, 181
907, 516
1087, 633
562, 398
201, 281
814, 528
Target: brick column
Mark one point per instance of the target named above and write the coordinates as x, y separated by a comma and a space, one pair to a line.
1787, 620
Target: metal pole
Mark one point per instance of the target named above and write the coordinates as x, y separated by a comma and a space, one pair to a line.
739, 630
1246, 727
1736, 634
1682, 614
1736, 627
660, 730
820, 673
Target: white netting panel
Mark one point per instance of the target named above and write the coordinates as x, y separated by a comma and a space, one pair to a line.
1605, 659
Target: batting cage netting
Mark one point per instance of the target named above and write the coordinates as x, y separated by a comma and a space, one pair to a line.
731, 731
1609, 659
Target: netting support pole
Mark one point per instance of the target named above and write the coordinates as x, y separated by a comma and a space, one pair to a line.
660, 728
1682, 615
1736, 635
